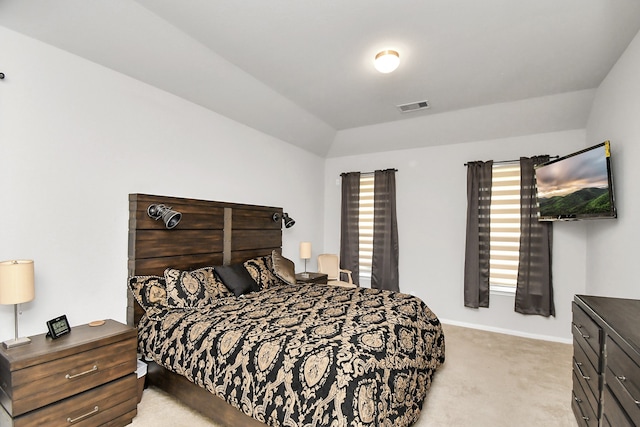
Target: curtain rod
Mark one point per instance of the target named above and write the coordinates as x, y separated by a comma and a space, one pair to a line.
364, 173
514, 161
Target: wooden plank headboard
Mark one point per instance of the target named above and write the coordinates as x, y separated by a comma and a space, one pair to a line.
210, 233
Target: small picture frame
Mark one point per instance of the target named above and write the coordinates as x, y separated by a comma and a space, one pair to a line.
58, 327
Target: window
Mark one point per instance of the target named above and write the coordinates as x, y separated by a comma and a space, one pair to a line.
505, 227
365, 223
369, 227
494, 259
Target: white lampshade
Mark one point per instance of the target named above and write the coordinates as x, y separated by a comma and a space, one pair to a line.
387, 61
305, 250
16, 282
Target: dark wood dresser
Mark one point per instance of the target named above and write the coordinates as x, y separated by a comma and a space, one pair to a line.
86, 378
606, 361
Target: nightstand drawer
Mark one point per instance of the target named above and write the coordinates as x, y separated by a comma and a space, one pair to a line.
91, 408
39, 385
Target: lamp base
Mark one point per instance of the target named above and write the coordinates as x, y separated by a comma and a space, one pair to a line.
16, 342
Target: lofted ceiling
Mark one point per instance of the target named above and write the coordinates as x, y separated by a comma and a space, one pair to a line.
302, 70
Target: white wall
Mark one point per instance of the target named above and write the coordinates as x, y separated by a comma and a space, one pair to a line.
612, 249
593, 257
77, 138
431, 205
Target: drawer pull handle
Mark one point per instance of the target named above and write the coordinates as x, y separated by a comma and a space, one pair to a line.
578, 327
578, 367
81, 417
621, 379
70, 377
579, 401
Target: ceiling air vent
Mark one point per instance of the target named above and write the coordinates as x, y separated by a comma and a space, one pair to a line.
414, 106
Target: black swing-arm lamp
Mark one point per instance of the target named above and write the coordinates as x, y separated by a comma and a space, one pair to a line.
170, 217
286, 219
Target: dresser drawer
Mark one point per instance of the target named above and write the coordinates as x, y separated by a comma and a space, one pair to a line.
613, 415
587, 375
96, 407
39, 385
623, 378
587, 333
585, 414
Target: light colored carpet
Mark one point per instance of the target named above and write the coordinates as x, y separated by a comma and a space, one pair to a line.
488, 379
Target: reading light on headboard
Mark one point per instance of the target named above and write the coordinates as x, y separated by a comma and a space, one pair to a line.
170, 217
288, 221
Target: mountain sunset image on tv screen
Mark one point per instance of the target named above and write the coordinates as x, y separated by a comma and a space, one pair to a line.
576, 186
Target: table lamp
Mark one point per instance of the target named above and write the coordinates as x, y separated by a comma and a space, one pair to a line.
16, 287
305, 254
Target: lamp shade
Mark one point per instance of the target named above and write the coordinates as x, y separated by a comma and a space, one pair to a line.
305, 250
16, 282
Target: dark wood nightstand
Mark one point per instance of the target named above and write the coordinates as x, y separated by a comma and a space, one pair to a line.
87, 375
311, 278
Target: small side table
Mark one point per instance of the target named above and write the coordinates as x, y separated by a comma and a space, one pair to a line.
320, 278
87, 375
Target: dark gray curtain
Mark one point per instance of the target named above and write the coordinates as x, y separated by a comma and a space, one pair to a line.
476, 261
349, 225
534, 292
384, 265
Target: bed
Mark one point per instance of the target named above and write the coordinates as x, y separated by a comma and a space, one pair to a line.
281, 354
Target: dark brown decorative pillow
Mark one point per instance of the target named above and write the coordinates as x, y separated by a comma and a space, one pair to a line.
283, 268
237, 279
149, 291
261, 269
187, 289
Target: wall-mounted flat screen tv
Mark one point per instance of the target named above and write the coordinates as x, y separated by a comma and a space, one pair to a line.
577, 186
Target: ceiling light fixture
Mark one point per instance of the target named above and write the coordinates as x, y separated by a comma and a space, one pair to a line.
387, 61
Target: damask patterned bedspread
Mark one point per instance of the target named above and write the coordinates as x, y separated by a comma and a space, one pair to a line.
306, 355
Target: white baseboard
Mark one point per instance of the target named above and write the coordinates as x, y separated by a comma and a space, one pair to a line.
507, 331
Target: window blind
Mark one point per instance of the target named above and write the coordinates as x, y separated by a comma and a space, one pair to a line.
505, 227
366, 223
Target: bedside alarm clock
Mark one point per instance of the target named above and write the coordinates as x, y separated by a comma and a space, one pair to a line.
58, 327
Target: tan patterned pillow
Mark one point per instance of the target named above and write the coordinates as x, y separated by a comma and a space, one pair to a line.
261, 270
284, 268
187, 289
149, 291
212, 283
